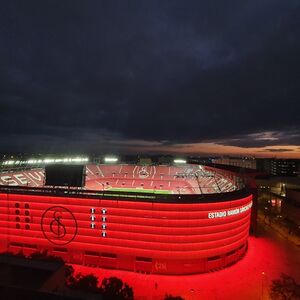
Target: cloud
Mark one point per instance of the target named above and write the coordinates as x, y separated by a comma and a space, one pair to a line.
263, 139
156, 73
277, 150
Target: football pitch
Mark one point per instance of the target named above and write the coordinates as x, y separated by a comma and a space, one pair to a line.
138, 190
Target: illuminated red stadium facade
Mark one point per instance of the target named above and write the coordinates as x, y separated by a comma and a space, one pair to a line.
153, 219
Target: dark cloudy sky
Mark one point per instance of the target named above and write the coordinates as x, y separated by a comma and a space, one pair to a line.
140, 76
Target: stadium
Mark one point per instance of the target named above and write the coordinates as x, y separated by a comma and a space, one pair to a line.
156, 219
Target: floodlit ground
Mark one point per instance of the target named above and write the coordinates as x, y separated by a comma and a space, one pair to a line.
267, 256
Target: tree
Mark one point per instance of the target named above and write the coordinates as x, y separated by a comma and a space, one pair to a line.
285, 288
114, 289
111, 288
69, 275
87, 283
170, 297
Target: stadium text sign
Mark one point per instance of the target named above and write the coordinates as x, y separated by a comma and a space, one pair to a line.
229, 212
22, 178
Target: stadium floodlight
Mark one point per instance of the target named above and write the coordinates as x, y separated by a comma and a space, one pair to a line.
31, 161
179, 161
34, 161
65, 160
9, 162
110, 159
77, 159
49, 160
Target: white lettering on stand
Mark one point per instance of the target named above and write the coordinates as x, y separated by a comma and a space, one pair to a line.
230, 212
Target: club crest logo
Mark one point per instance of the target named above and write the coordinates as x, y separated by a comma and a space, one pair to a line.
59, 225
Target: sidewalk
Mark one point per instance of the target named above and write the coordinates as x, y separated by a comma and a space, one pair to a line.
279, 228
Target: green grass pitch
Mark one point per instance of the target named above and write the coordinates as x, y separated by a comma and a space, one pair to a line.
134, 190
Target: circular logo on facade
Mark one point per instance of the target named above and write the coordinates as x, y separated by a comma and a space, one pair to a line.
143, 173
59, 225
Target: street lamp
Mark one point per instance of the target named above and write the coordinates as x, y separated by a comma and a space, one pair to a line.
262, 284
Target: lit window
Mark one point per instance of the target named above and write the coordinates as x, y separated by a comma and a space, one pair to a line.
104, 234
103, 226
92, 210
92, 225
93, 218
103, 219
103, 211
